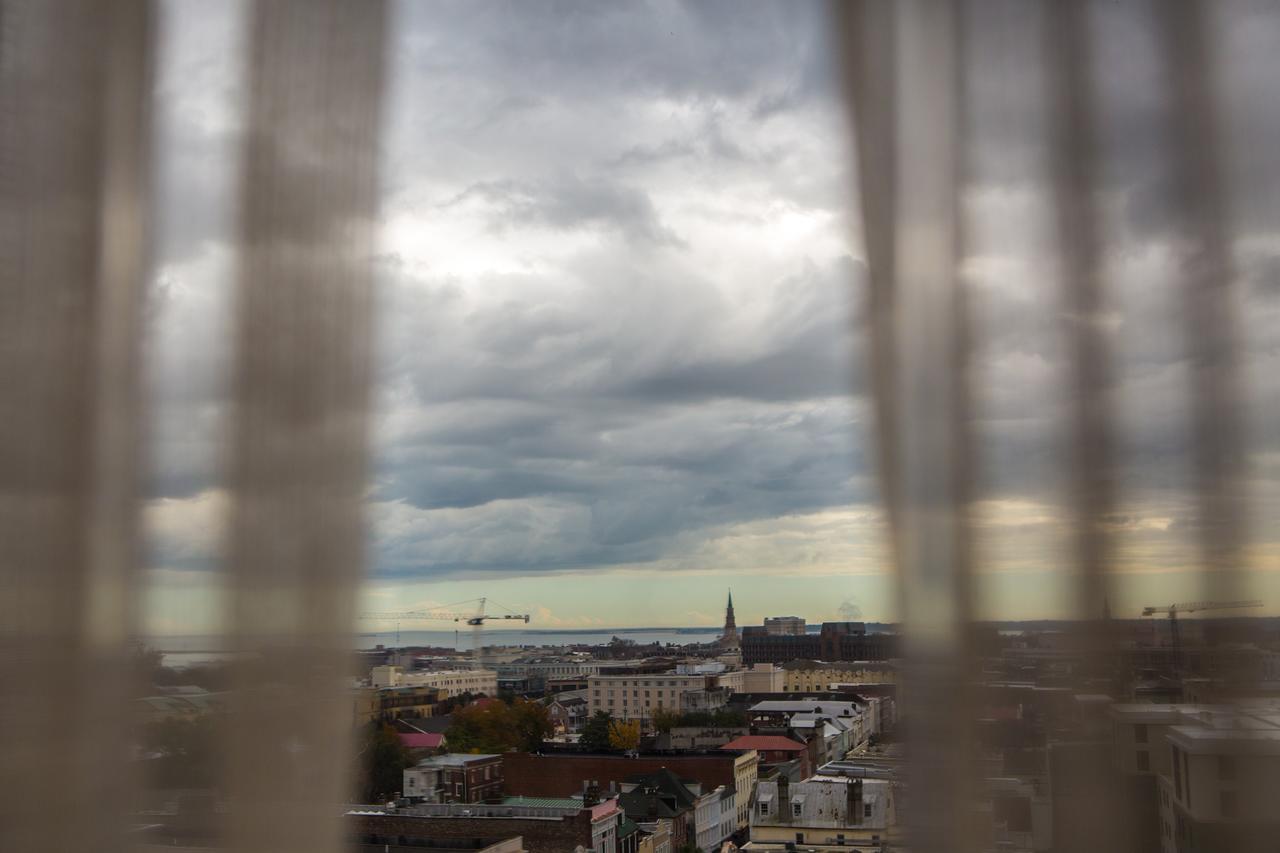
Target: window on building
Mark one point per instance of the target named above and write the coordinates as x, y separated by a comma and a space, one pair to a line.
1144, 760
1226, 767
1177, 772
795, 810
1140, 733
1227, 803
800, 838
764, 808
866, 809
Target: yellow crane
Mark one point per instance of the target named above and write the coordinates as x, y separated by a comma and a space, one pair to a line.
1173, 610
475, 619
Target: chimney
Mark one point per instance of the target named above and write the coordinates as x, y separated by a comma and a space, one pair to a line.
853, 789
784, 798
591, 797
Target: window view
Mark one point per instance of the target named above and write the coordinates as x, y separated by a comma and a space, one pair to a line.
650, 427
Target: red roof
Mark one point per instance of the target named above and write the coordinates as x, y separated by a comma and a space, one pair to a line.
484, 702
421, 740
765, 743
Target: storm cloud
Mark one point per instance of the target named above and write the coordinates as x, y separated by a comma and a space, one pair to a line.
621, 286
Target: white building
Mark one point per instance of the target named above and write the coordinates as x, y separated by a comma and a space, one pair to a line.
636, 697
786, 625
824, 812
450, 682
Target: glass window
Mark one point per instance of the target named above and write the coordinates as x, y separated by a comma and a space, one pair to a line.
1140, 733
1144, 760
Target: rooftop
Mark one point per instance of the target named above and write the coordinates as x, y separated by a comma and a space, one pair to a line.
769, 743
455, 759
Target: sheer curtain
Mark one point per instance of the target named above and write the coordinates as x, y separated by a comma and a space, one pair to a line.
75, 100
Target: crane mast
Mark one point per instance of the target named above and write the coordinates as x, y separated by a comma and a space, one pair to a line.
475, 619
1175, 639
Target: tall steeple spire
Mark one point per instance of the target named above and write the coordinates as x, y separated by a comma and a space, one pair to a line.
729, 639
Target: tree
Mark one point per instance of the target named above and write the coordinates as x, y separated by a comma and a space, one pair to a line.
185, 752
530, 723
595, 731
383, 760
498, 727
665, 719
624, 734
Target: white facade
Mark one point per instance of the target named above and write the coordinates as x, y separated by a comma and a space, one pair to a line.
636, 697
450, 682
711, 823
788, 625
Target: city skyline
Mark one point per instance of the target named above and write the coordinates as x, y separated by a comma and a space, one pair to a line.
627, 359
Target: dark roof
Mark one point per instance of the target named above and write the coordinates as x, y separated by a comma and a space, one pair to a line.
424, 725
665, 784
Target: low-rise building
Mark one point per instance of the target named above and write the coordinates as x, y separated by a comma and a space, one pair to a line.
455, 778
815, 676
568, 713
384, 704
825, 813
566, 774
450, 682
545, 826
773, 749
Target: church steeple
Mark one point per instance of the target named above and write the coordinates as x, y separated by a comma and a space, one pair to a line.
729, 639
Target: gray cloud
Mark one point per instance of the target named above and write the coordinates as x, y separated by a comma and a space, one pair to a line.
669, 343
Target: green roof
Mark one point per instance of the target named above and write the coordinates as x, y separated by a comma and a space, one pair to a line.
543, 802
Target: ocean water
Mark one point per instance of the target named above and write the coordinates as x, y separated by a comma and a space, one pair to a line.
181, 651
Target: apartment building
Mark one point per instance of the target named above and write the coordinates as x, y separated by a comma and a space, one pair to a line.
636, 697
825, 813
455, 778
808, 676
1220, 792
450, 682
1199, 777
793, 626
761, 678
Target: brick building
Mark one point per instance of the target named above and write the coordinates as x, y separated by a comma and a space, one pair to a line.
455, 778
836, 641
568, 773
546, 827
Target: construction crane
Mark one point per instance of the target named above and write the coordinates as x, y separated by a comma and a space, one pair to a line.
475, 619
1173, 610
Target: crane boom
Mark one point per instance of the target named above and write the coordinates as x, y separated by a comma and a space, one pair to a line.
475, 620
1175, 638
1193, 606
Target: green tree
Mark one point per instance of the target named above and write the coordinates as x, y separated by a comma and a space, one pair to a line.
383, 760
595, 731
665, 719
624, 734
499, 727
530, 723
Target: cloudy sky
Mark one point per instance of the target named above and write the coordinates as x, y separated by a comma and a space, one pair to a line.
621, 356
